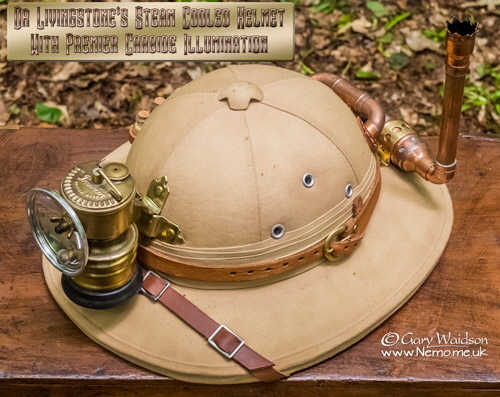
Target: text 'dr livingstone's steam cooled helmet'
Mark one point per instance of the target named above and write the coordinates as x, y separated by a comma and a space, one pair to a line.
256, 198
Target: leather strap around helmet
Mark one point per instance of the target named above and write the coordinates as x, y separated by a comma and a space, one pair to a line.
339, 243
218, 336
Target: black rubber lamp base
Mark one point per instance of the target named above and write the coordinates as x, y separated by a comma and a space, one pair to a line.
101, 300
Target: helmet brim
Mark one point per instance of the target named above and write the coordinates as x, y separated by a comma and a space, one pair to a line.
296, 322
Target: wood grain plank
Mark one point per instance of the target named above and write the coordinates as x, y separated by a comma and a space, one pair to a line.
42, 352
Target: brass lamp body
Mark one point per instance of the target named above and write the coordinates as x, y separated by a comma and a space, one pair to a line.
103, 199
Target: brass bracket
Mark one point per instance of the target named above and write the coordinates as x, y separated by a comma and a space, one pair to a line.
384, 156
147, 216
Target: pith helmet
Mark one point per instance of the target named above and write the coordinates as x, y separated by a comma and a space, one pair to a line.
295, 238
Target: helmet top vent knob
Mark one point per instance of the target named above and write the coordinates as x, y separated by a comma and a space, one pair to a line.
239, 94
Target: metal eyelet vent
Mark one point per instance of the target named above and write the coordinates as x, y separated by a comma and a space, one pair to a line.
308, 180
278, 231
349, 190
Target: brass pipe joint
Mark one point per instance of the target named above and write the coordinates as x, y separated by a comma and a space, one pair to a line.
410, 153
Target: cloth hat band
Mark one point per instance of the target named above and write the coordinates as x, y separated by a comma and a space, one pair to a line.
338, 244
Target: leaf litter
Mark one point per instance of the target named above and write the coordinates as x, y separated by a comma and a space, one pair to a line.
391, 48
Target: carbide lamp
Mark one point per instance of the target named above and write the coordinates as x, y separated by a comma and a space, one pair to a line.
88, 232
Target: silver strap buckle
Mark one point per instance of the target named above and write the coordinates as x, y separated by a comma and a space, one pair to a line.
151, 296
214, 345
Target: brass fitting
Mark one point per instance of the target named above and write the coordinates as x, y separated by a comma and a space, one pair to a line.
135, 128
410, 153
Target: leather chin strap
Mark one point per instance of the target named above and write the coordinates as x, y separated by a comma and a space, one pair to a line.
220, 337
341, 242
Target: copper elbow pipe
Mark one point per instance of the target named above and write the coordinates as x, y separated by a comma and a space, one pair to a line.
396, 140
359, 101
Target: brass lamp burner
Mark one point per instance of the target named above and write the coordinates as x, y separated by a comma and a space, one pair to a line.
88, 233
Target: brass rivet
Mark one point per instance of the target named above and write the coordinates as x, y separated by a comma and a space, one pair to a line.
158, 190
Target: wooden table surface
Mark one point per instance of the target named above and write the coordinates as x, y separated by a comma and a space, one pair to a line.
43, 353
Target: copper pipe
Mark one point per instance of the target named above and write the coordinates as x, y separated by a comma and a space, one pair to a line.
359, 101
459, 46
460, 39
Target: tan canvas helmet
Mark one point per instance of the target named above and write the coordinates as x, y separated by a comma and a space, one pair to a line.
278, 239
267, 163
266, 168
